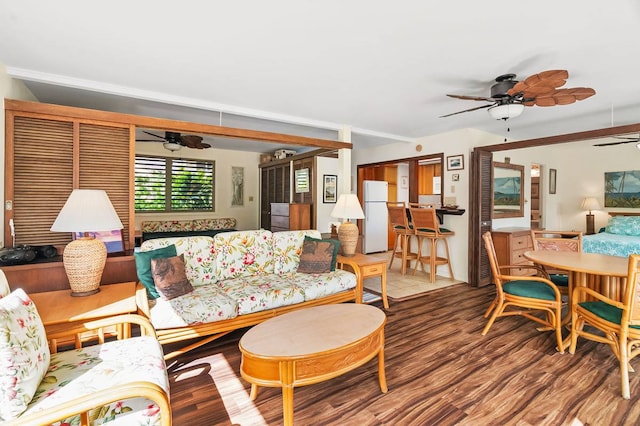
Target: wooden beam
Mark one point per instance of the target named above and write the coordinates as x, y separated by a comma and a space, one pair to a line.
170, 125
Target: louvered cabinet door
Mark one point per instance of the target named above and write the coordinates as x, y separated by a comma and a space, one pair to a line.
39, 178
105, 163
46, 158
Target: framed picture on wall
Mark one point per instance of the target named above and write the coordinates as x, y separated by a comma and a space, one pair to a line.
329, 188
455, 162
237, 186
552, 181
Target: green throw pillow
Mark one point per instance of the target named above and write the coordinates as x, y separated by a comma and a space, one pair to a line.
318, 256
143, 267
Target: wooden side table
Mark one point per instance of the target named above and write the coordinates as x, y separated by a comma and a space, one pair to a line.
64, 315
369, 266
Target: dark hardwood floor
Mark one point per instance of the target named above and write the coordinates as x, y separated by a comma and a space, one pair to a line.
440, 371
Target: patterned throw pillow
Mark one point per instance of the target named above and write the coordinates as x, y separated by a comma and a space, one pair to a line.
170, 277
24, 353
318, 256
143, 267
624, 225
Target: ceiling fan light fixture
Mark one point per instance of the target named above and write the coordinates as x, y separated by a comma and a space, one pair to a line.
506, 111
172, 146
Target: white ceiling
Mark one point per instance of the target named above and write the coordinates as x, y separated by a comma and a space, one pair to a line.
383, 68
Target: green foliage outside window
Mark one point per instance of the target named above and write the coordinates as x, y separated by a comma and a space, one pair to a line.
169, 184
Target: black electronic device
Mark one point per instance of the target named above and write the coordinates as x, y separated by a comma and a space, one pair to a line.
46, 251
17, 255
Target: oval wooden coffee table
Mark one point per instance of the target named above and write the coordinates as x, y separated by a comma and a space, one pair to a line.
310, 346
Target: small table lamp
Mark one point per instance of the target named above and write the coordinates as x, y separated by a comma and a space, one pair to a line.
590, 203
86, 210
348, 207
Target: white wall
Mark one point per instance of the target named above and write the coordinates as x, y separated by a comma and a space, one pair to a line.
248, 216
403, 173
9, 89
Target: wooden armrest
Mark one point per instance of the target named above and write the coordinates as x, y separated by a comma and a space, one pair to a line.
146, 329
575, 297
87, 402
539, 269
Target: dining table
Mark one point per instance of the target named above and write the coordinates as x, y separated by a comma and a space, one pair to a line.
601, 272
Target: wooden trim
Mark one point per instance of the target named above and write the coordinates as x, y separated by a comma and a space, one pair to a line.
564, 138
624, 213
170, 125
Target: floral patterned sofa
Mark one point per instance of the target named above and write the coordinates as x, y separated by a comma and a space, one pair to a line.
122, 382
239, 279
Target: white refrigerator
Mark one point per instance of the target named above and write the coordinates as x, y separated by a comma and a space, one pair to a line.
376, 217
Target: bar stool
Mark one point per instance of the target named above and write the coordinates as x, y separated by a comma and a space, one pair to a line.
426, 225
404, 231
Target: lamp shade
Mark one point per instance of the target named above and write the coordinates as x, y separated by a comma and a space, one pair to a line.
87, 210
348, 207
506, 111
590, 203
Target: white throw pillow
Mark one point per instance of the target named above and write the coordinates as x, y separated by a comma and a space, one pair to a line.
24, 353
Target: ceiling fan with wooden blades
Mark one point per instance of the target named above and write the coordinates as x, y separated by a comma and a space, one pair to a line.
623, 139
509, 96
173, 141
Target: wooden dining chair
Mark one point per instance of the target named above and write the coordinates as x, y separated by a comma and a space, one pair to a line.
557, 241
404, 232
427, 227
618, 321
535, 294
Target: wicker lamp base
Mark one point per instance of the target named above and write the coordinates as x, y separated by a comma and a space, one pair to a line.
84, 261
348, 236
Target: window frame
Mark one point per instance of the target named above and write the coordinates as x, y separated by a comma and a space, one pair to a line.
167, 167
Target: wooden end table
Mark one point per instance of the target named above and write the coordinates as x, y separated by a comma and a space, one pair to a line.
369, 266
312, 345
64, 315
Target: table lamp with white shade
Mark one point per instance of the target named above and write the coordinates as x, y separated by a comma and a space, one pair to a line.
590, 203
348, 207
86, 210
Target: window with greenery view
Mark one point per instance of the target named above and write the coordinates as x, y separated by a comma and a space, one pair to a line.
172, 184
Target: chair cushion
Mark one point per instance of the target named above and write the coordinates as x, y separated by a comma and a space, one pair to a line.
95, 368
143, 267
605, 311
24, 353
529, 288
318, 256
170, 277
560, 280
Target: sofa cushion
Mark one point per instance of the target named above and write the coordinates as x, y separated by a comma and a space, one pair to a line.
316, 286
318, 256
287, 246
143, 266
24, 353
199, 256
77, 372
204, 304
260, 292
243, 253
169, 277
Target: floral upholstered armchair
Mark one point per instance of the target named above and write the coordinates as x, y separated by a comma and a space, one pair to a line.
122, 382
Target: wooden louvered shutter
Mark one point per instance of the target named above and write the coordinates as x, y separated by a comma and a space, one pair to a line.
105, 164
43, 178
480, 197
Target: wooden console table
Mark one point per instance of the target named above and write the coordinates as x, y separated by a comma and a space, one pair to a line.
49, 274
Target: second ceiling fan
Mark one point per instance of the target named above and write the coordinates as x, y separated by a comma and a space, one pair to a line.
173, 141
509, 96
